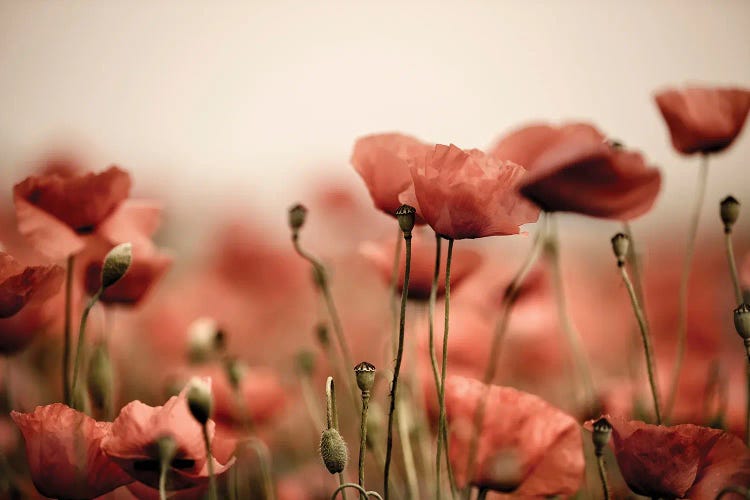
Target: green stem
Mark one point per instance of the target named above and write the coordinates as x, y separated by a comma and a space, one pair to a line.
733, 266
442, 427
684, 281
363, 437
362, 491
163, 468
264, 461
603, 476
747, 412
81, 341
397, 368
67, 328
392, 300
482, 493
212, 493
643, 327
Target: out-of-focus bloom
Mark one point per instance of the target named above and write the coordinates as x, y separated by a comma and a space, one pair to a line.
526, 446
704, 119
572, 168
145, 492
23, 292
382, 160
132, 443
64, 455
681, 461
467, 194
465, 262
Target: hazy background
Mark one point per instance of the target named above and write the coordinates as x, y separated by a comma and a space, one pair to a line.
254, 101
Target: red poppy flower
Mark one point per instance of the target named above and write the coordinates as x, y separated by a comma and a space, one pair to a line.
467, 194
704, 119
572, 168
465, 262
681, 461
131, 443
382, 162
526, 446
62, 448
56, 212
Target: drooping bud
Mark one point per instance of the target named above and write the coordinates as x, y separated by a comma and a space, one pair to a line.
365, 373
306, 362
333, 451
742, 321
100, 378
116, 264
297, 217
235, 370
600, 435
406, 216
166, 447
199, 399
620, 246
205, 339
729, 209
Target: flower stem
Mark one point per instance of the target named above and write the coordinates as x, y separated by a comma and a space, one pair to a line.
81, 342
212, 493
163, 468
684, 281
397, 367
643, 327
573, 337
393, 302
603, 476
264, 462
362, 491
66, 331
442, 427
733, 266
482, 493
747, 413
509, 300
363, 436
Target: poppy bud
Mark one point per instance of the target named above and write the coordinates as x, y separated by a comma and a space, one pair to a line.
333, 451
235, 370
742, 321
306, 362
205, 339
297, 216
116, 264
620, 245
99, 380
600, 435
200, 400
729, 209
166, 446
406, 216
365, 373
321, 332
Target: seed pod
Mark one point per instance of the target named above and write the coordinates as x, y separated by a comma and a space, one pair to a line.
297, 216
365, 373
742, 321
407, 217
601, 434
729, 209
620, 246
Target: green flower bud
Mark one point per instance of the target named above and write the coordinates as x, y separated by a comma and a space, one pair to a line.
333, 451
199, 399
116, 264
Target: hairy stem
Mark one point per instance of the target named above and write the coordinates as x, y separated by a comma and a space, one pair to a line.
81, 342
603, 476
67, 329
442, 427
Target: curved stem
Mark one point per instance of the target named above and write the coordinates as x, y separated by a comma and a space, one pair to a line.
442, 427
684, 281
733, 489
603, 476
313, 410
163, 468
392, 301
397, 368
66, 331
264, 461
343, 486
81, 341
733, 267
363, 436
212, 493
643, 327
509, 300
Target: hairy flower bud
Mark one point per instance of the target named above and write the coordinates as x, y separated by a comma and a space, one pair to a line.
742, 321
333, 451
729, 209
600, 435
199, 399
116, 264
620, 246
205, 339
321, 333
407, 217
297, 217
365, 373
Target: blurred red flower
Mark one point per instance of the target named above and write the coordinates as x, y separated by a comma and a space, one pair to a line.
467, 194
382, 160
704, 119
572, 168
62, 449
526, 446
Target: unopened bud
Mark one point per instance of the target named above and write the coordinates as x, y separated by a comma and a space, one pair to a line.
306, 362
333, 451
116, 264
100, 378
620, 246
742, 321
166, 447
235, 370
205, 339
365, 373
406, 216
321, 332
297, 216
729, 209
600, 435
199, 399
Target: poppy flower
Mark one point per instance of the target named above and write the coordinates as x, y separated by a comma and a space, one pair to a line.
526, 446
64, 455
573, 168
55, 212
382, 160
467, 194
680, 461
132, 443
465, 262
704, 119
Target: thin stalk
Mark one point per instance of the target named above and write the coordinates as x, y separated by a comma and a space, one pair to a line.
409, 465
81, 340
733, 489
264, 462
431, 313
747, 412
212, 493
397, 368
733, 267
392, 301
482, 493
684, 281
603, 476
634, 348
363, 437
362, 491
643, 327
509, 300
573, 337
163, 468
442, 432
67, 328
